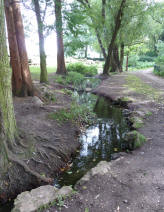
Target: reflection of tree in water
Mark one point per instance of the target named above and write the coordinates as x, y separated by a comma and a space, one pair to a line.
99, 140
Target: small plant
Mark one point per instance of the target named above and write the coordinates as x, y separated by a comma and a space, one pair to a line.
149, 114
77, 113
60, 201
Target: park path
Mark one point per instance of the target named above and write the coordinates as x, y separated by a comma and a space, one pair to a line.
134, 182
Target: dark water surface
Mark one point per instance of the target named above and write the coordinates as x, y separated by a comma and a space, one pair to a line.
99, 142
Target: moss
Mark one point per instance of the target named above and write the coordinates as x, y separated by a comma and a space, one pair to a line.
149, 114
135, 139
137, 122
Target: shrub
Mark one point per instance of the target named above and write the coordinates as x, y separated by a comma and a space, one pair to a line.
145, 58
82, 69
133, 60
159, 70
74, 78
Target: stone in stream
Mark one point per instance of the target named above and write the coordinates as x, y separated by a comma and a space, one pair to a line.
30, 201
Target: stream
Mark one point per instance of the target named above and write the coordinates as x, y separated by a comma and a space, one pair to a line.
102, 140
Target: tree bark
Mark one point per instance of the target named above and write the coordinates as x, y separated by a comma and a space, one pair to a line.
8, 129
14, 52
61, 69
114, 36
86, 51
127, 62
21, 80
43, 66
121, 57
101, 44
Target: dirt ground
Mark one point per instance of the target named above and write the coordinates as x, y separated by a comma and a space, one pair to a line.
135, 182
50, 144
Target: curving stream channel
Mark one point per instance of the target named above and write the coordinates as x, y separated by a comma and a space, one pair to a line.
102, 140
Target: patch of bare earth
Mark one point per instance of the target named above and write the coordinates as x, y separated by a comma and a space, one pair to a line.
47, 145
135, 182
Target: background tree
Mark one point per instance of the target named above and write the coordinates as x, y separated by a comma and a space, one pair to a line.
43, 67
21, 78
61, 69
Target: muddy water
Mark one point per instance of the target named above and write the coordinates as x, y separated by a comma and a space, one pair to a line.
102, 141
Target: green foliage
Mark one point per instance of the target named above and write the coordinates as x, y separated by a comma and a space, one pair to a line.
159, 70
77, 113
82, 69
146, 58
72, 78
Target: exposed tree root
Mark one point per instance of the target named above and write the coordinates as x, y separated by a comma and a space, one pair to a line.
14, 159
62, 155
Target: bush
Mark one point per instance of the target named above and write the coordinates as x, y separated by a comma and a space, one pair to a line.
72, 78
133, 61
145, 58
159, 70
87, 71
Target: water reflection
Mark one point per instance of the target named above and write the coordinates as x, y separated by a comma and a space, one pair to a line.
99, 141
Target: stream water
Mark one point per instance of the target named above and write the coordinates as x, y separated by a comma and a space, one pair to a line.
101, 140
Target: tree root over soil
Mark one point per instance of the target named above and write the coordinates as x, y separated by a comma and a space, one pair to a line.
13, 158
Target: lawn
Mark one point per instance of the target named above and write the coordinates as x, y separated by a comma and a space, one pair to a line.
35, 71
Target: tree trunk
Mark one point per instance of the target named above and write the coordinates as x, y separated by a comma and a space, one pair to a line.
8, 129
114, 36
86, 51
121, 57
14, 52
21, 80
101, 44
127, 62
61, 69
43, 67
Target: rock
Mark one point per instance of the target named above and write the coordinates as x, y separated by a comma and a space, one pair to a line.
37, 101
115, 156
102, 168
30, 201
88, 89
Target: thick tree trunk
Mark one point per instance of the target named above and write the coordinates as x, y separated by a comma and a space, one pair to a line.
61, 69
114, 36
43, 67
14, 52
22, 82
8, 129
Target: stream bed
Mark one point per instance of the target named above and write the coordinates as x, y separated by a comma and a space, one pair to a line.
102, 140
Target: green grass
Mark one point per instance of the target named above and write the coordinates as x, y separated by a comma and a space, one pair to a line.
77, 113
137, 85
35, 71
